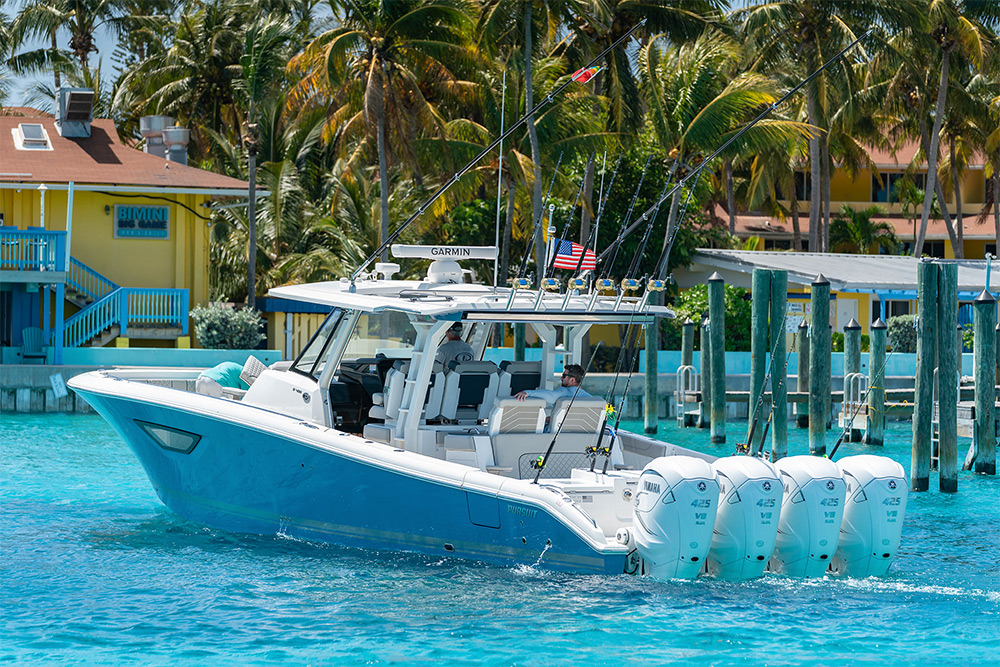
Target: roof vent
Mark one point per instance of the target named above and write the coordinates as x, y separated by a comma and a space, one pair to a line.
31, 137
76, 110
152, 127
176, 140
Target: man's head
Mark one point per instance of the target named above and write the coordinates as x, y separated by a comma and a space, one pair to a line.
572, 375
455, 331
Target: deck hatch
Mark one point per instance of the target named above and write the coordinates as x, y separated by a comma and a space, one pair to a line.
169, 438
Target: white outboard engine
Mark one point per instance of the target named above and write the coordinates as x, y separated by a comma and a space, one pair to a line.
873, 515
811, 515
673, 516
747, 522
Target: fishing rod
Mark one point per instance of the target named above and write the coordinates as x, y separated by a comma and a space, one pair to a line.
637, 258
539, 465
627, 219
592, 237
551, 268
857, 409
764, 114
534, 234
748, 446
496, 142
652, 285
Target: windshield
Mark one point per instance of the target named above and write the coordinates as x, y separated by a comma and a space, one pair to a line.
312, 358
389, 333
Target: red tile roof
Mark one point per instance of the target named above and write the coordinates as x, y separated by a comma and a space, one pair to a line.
99, 159
749, 224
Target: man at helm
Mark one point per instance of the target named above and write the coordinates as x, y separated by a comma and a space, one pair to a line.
454, 348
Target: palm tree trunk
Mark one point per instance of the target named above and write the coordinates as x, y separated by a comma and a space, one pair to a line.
825, 178
730, 198
815, 205
946, 215
960, 248
932, 153
671, 221
55, 69
588, 195
383, 176
536, 158
796, 232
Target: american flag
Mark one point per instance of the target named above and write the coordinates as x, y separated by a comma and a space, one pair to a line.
568, 256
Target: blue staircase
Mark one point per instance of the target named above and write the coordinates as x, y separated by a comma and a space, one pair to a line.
108, 310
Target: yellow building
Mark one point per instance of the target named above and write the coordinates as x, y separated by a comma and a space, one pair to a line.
100, 242
868, 188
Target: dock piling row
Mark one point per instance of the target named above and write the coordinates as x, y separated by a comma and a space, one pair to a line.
927, 283
779, 371
717, 317
819, 365
948, 377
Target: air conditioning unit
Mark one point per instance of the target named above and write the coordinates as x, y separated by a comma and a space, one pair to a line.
75, 112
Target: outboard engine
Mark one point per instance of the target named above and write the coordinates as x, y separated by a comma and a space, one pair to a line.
747, 521
873, 515
811, 514
673, 516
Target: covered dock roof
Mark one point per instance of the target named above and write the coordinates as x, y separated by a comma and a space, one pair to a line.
889, 275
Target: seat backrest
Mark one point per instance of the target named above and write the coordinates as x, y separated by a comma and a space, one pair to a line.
469, 390
394, 381
518, 376
510, 415
435, 393
583, 415
31, 342
251, 369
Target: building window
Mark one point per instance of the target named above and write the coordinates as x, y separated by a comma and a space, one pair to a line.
934, 249
886, 187
777, 244
991, 248
31, 137
803, 186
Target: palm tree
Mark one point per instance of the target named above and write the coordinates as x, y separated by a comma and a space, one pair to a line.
381, 73
856, 229
955, 27
694, 108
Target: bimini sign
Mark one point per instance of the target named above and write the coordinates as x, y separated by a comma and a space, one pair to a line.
142, 222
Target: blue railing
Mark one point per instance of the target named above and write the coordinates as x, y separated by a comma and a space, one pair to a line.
34, 249
85, 280
128, 307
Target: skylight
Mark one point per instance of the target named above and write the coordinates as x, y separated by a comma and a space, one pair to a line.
31, 137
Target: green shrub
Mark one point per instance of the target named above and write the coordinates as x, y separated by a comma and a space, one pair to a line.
837, 340
693, 303
221, 327
902, 334
968, 337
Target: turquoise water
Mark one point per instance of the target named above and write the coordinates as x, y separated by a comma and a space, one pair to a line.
93, 569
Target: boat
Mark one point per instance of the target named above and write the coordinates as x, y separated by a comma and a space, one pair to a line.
365, 440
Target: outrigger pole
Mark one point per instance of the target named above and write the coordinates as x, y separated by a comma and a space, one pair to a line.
496, 142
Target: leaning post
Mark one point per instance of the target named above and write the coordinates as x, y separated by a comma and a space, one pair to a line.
760, 292
923, 396
819, 365
717, 316
875, 429
984, 351
802, 379
947, 385
779, 371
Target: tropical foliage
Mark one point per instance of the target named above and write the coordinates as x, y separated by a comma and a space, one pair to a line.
350, 113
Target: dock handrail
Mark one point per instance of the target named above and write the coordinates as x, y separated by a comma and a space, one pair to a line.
87, 281
127, 307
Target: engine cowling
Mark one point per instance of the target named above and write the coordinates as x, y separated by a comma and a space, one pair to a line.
747, 521
811, 516
873, 515
673, 516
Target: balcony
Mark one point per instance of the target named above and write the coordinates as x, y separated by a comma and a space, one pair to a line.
34, 255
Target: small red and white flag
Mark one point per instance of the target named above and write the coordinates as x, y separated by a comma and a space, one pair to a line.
568, 256
584, 75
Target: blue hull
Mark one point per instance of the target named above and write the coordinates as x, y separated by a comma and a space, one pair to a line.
249, 480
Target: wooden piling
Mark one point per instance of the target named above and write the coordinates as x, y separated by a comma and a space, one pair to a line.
759, 308
704, 409
802, 379
717, 331
947, 385
920, 462
875, 430
651, 396
819, 365
687, 343
984, 351
779, 371
519, 342
852, 347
